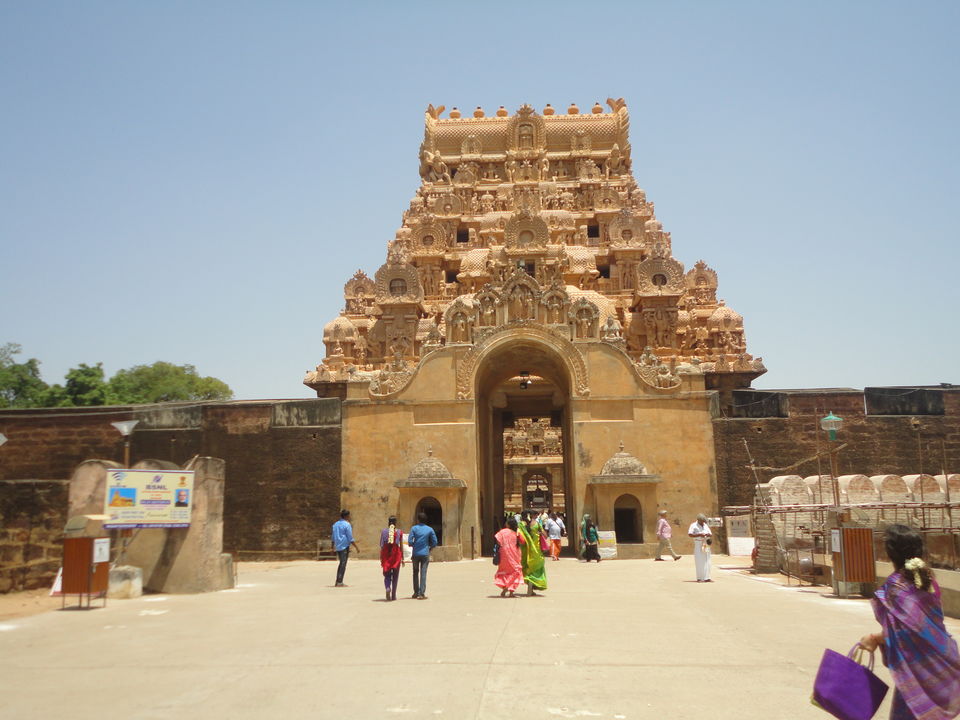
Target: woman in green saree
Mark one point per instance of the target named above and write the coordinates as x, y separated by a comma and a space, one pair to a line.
534, 568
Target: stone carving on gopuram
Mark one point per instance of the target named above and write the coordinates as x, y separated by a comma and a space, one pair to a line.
533, 220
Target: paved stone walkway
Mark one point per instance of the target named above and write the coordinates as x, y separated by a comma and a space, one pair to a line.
622, 639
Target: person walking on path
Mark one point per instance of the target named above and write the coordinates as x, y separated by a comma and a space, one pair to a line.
583, 535
591, 539
915, 646
510, 569
664, 533
534, 568
422, 539
342, 540
391, 557
702, 539
554, 531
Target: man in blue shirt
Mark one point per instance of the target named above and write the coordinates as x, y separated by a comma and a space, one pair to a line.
422, 539
342, 540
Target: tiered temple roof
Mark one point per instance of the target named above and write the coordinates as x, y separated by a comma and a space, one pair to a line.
533, 219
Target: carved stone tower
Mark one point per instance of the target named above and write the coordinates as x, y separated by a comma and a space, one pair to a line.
530, 317
533, 218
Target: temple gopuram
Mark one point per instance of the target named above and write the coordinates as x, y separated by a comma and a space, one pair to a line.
530, 291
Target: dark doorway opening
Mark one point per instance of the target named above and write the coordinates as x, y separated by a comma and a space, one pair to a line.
627, 520
431, 508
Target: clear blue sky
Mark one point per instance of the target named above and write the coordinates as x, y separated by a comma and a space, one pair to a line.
194, 182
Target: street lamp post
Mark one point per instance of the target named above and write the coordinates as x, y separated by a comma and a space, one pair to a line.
125, 427
831, 424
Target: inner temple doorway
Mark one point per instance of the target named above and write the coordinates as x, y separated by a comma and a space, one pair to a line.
523, 399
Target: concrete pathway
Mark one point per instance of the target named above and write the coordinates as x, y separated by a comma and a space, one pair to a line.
622, 639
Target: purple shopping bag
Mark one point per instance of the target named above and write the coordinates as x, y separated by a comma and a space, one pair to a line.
845, 688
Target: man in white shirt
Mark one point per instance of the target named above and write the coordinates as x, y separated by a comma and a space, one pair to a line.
702, 538
552, 528
664, 533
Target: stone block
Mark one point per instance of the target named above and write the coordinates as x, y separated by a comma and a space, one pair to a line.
446, 553
33, 552
11, 554
126, 581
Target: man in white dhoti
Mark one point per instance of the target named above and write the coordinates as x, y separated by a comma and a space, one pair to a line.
702, 537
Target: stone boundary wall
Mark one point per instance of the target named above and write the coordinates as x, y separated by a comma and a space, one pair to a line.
282, 487
32, 516
876, 444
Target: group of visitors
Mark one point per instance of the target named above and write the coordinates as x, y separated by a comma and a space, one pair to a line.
421, 540
519, 551
518, 554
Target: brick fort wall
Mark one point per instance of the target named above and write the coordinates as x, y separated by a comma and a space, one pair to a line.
886, 430
282, 488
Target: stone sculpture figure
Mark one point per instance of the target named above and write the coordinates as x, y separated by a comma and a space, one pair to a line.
611, 329
612, 165
510, 167
543, 166
460, 332
584, 321
488, 313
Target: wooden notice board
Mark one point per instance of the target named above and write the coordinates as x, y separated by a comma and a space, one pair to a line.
858, 564
81, 575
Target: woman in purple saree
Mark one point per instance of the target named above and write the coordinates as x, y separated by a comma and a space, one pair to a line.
921, 655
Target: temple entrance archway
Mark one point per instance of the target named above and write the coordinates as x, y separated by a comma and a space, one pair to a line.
522, 390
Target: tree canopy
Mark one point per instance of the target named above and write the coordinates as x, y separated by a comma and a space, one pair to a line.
21, 385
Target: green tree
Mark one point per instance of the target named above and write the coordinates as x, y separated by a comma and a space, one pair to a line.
164, 382
20, 383
85, 385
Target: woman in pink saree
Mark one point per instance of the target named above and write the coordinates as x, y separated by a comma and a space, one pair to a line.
509, 571
916, 647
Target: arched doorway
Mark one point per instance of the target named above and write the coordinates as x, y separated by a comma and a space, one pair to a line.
536, 490
431, 507
522, 387
628, 519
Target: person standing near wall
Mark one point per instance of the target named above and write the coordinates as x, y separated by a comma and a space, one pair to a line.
342, 540
583, 535
591, 539
702, 539
391, 557
422, 539
664, 533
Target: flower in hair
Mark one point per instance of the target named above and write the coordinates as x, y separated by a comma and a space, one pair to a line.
914, 565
